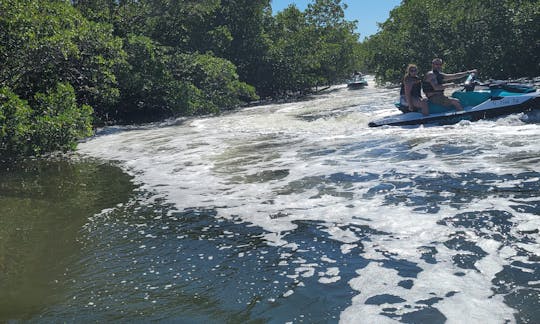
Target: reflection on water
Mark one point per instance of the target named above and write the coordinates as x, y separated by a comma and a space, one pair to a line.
43, 205
152, 262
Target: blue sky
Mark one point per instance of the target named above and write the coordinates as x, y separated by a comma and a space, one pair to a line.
367, 12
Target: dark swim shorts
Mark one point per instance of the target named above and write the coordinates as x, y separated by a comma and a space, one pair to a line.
440, 99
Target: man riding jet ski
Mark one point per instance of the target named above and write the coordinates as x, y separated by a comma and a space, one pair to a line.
497, 98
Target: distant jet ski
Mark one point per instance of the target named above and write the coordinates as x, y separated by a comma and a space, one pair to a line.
499, 98
357, 82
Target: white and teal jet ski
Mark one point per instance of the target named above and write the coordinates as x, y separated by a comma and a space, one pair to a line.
497, 98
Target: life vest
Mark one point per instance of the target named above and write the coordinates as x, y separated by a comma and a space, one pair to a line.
416, 90
428, 88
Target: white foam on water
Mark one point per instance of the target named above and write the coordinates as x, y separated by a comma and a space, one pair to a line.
273, 166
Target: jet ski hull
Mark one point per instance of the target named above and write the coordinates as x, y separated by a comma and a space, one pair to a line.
491, 108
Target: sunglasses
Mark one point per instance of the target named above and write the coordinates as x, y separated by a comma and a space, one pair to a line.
412, 70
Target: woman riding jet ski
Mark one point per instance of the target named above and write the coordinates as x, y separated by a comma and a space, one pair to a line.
497, 98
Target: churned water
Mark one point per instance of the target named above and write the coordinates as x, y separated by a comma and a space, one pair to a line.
298, 212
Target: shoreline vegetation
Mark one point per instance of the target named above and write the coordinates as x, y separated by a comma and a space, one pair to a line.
69, 67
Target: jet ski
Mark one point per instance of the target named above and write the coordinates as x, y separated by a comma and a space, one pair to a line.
496, 98
357, 82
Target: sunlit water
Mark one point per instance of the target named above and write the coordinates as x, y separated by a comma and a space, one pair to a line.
298, 212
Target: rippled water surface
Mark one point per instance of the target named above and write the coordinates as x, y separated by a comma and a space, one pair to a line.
298, 212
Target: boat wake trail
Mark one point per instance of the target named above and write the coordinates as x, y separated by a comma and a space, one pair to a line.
429, 224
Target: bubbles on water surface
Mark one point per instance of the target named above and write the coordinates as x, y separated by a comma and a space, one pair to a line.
185, 264
300, 211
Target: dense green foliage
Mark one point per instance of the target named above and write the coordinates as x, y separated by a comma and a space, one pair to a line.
53, 122
308, 49
501, 38
69, 65
55, 66
66, 66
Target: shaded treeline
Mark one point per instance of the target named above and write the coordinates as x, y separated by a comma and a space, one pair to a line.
501, 38
69, 66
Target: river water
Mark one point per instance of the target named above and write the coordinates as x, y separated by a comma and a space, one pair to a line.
292, 212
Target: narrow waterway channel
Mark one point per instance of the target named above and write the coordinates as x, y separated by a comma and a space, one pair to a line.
290, 212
